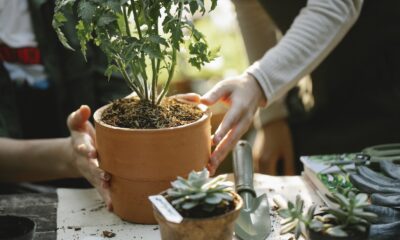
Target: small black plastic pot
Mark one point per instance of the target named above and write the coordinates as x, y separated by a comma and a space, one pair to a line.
16, 228
320, 236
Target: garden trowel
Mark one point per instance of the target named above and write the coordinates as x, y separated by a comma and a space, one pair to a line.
254, 220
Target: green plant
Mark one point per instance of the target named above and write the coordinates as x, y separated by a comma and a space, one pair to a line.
200, 191
141, 38
343, 221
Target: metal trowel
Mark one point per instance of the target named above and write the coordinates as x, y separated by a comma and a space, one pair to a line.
254, 220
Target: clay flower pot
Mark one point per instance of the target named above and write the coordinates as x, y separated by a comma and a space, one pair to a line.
143, 162
214, 228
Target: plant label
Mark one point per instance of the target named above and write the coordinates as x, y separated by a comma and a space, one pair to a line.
166, 209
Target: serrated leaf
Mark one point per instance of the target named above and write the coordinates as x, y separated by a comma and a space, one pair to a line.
193, 7
86, 10
213, 4
106, 19
110, 70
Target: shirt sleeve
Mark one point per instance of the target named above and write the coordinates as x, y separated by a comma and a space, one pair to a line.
319, 27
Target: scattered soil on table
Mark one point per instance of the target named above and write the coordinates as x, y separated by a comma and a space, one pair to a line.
108, 234
142, 114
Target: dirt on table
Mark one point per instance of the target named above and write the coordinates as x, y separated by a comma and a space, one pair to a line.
142, 114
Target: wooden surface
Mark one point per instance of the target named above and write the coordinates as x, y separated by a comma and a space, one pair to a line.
41, 208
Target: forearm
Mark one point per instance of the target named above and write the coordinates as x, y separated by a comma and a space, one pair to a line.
257, 28
315, 32
36, 160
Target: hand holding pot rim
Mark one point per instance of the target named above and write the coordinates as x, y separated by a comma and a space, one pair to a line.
85, 160
244, 96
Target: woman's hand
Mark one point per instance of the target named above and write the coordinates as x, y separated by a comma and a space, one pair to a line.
244, 95
84, 152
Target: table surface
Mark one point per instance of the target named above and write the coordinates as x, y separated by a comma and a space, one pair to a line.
42, 208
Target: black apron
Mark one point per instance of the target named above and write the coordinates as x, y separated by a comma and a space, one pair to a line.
356, 88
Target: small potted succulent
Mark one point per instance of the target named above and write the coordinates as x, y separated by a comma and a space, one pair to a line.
209, 207
348, 220
144, 141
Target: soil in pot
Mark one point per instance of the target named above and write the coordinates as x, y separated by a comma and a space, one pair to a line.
217, 227
142, 114
198, 212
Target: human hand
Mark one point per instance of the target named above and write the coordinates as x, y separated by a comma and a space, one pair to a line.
273, 144
244, 96
84, 152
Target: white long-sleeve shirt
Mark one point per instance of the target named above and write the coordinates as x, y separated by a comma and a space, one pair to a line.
315, 32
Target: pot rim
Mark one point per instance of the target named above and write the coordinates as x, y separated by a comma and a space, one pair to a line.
97, 118
238, 206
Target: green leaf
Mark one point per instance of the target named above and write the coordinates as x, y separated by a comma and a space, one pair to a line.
189, 205
316, 225
213, 199
213, 4
193, 7
289, 227
336, 231
225, 196
343, 201
297, 231
86, 10
157, 39
106, 19
110, 70
179, 184
284, 213
361, 198
197, 196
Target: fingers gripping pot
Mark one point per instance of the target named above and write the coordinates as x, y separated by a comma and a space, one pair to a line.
143, 162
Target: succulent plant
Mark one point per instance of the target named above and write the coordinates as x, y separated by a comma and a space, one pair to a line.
200, 191
342, 221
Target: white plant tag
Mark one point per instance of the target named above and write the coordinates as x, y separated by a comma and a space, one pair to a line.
166, 209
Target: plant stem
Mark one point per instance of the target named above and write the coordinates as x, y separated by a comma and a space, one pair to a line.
127, 78
170, 74
173, 63
143, 68
128, 30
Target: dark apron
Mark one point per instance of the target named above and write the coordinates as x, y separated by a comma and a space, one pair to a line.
356, 88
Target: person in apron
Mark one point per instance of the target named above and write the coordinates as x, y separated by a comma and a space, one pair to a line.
351, 50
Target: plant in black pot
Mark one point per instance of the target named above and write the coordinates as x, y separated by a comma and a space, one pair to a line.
209, 207
348, 220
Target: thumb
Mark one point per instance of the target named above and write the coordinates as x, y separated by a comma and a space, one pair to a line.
188, 98
221, 90
77, 119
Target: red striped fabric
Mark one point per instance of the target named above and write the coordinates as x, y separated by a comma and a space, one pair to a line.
26, 55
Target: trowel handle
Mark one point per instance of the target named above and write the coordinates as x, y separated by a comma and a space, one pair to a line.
243, 167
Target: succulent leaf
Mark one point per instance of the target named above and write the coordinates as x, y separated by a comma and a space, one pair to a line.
336, 231
200, 190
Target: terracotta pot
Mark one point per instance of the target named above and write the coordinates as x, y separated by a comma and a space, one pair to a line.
213, 228
143, 162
